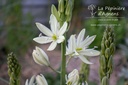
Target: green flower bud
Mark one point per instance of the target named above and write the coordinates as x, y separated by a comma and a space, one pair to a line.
102, 48
103, 61
105, 81
107, 53
68, 18
68, 8
61, 6
112, 48
102, 71
110, 40
107, 43
110, 62
55, 12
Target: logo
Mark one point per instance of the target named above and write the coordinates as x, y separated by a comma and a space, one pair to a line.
105, 15
92, 8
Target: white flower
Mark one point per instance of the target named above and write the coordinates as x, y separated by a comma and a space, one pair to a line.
31, 82
55, 35
79, 47
40, 80
73, 78
40, 57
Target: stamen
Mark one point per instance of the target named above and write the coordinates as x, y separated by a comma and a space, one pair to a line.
78, 49
54, 37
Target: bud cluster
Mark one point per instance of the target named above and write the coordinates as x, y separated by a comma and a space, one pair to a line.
107, 51
14, 69
65, 8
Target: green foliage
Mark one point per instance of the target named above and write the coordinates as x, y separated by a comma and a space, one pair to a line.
98, 30
17, 27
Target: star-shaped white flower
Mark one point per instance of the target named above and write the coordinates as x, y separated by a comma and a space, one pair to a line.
78, 47
55, 35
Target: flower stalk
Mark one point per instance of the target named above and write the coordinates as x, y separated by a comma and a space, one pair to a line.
63, 63
106, 57
63, 52
63, 10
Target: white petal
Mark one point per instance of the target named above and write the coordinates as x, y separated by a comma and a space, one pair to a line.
34, 54
45, 82
88, 41
60, 39
44, 29
43, 56
63, 29
72, 43
86, 83
80, 36
27, 83
31, 82
83, 58
41, 80
40, 57
54, 24
90, 52
42, 40
67, 51
52, 46
70, 49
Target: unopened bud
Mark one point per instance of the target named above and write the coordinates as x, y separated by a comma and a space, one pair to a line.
55, 12
105, 81
61, 6
40, 57
107, 53
68, 9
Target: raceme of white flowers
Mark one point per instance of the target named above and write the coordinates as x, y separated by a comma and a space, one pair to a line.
40, 57
78, 47
55, 35
38, 80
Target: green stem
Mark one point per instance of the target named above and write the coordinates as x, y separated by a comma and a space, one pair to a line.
63, 52
54, 70
63, 62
